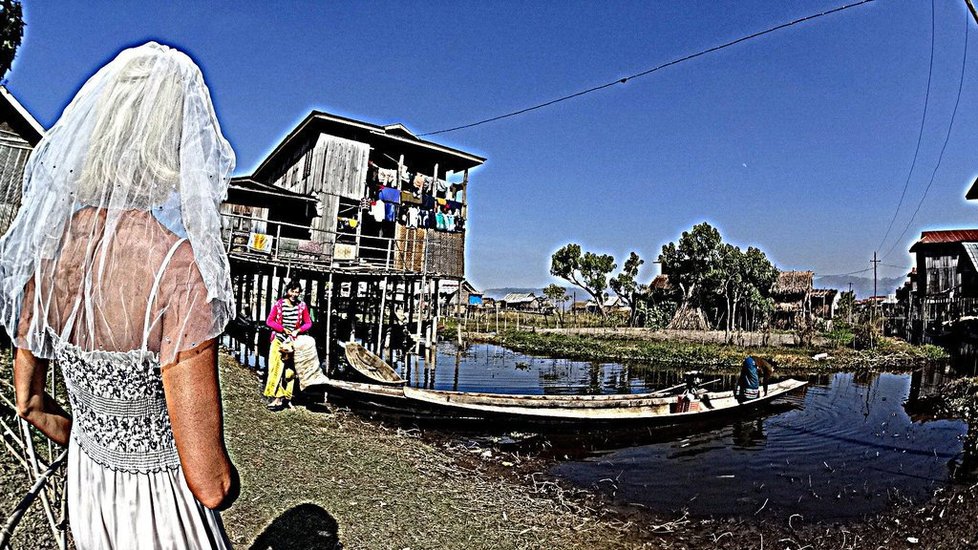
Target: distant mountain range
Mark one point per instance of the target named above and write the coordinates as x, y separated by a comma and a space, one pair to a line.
862, 285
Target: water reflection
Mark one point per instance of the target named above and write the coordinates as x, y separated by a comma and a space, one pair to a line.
748, 433
842, 448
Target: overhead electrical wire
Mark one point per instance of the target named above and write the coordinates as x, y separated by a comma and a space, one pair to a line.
625, 79
920, 132
844, 274
947, 137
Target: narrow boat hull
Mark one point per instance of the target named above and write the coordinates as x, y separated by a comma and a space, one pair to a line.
549, 410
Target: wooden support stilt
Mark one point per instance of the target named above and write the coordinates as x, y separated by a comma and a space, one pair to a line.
329, 320
380, 316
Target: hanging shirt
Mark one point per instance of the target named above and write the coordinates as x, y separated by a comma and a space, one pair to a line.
377, 210
412, 216
390, 211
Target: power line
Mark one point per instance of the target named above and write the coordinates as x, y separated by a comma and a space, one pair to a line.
920, 133
947, 137
652, 70
845, 274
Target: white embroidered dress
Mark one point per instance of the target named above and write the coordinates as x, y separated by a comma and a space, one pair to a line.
125, 485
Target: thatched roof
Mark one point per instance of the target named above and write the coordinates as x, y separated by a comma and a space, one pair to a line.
793, 282
661, 282
827, 293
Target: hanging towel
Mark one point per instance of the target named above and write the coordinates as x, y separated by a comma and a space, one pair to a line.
389, 195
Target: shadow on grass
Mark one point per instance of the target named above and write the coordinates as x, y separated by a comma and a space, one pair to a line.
302, 527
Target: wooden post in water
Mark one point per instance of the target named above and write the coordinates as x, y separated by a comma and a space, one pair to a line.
380, 316
391, 319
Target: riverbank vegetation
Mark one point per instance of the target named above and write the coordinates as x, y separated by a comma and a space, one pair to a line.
669, 349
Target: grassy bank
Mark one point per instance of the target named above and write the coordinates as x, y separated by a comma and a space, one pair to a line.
377, 488
619, 347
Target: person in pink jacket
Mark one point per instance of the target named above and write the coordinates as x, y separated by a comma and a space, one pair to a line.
288, 318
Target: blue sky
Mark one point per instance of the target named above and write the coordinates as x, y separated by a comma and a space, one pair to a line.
798, 142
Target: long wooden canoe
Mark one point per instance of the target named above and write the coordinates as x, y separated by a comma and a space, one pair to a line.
647, 408
370, 366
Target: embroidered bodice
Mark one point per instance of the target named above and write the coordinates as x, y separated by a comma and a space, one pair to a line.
118, 408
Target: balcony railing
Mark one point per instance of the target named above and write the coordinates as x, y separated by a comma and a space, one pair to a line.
407, 252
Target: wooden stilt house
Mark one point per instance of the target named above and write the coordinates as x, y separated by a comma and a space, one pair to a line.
370, 218
19, 133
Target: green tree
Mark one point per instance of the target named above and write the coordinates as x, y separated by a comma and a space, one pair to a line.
731, 284
586, 270
625, 285
557, 295
11, 32
754, 274
846, 309
691, 265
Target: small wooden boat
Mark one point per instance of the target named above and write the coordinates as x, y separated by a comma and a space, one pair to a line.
370, 366
555, 410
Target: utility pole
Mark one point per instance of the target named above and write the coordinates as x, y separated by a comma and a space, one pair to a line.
876, 302
852, 307
971, 8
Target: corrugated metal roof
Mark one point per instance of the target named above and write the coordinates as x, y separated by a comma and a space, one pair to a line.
518, 297
946, 237
971, 250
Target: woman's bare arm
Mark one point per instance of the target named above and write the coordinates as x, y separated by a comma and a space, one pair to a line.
193, 399
33, 403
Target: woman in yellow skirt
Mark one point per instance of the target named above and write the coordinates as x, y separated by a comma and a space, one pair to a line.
288, 319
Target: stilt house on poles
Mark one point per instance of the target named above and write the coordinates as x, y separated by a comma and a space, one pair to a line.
370, 219
19, 133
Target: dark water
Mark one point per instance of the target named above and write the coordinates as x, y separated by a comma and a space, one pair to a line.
843, 448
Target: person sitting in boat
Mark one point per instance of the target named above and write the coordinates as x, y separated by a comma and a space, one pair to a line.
288, 319
749, 382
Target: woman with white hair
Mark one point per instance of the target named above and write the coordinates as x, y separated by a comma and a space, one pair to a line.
114, 269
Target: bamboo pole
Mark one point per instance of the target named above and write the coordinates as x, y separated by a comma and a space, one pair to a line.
25, 503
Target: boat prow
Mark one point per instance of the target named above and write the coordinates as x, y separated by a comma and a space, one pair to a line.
370, 365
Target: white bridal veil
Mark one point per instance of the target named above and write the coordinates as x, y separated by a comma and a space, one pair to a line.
117, 245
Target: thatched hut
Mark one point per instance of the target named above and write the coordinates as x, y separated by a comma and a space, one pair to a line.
792, 298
